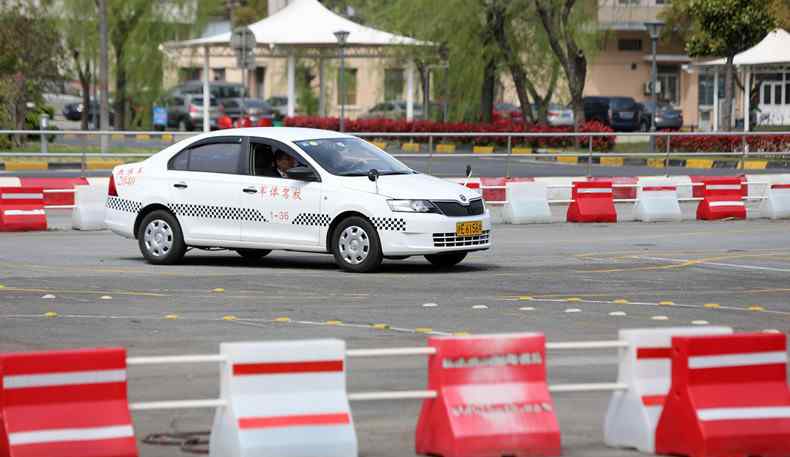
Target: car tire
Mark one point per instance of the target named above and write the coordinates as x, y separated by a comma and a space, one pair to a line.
253, 255
160, 238
446, 260
356, 245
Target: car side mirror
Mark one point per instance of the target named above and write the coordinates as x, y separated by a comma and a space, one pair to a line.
302, 173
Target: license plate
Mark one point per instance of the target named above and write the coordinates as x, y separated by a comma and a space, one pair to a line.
468, 228
626, 115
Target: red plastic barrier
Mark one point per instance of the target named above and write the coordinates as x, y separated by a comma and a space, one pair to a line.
492, 398
592, 202
493, 195
57, 198
22, 209
722, 198
698, 191
65, 404
621, 192
729, 397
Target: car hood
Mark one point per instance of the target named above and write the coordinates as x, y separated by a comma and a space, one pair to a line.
414, 187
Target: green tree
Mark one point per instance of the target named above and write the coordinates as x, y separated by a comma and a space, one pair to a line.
571, 33
30, 57
79, 26
723, 28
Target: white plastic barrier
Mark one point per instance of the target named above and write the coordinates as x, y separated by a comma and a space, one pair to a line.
527, 203
89, 206
646, 368
777, 203
284, 399
657, 200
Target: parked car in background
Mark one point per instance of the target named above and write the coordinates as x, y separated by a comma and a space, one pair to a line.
666, 116
620, 113
560, 116
218, 89
279, 104
395, 109
73, 112
506, 111
185, 112
252, 108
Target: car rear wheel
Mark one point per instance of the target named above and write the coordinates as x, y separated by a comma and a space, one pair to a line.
160, 238
253, 254
446, 260
356, 245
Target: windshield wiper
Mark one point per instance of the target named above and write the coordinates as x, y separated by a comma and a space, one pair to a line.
396, 173
349, 173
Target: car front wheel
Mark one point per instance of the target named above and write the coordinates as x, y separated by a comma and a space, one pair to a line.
446, 260
160, 238
356, 246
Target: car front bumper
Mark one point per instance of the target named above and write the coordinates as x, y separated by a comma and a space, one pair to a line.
420, 234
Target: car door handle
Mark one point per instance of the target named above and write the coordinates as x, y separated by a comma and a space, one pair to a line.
180, 185
250, 190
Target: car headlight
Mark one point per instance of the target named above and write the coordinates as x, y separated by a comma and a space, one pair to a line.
412, 206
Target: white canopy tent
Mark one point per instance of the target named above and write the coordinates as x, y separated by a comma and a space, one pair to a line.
306, 27
772, 53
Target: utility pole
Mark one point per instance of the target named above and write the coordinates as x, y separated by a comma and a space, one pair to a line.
104, 75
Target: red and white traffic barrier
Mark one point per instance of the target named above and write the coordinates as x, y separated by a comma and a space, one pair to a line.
527, 203
729, 397
721, 199
645, 368
492, 398
592, 202
22, 209
283, 399
657, 200
65, 404
777, 203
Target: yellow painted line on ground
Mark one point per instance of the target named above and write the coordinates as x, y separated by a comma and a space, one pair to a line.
699, 163
282, 319
167, 137
754, 164
423, 330
142, 137
612, 161
666, 303
620, 301
50, 314
380, 326
482, 149
712, 305
756, 308
410, 147
685, 263
171, 317
218, 290
118, 137
521, 150
573, 299
655, 163
333, 322
229, 318
445, 148
568, 160
19, 165
379, 144
460, 333
525, 298
102, 164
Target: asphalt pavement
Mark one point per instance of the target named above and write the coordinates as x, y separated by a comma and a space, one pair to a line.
575, 282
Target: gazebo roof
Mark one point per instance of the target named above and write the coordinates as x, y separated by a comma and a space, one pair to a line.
306, 24
774, 49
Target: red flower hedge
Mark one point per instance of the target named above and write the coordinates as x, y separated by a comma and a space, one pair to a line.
600, 143
725, 143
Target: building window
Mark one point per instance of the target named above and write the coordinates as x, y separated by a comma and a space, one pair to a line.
260, 77
189, 74
393, 84
350, 82
706, 89
219, 74
629, 44
669, 76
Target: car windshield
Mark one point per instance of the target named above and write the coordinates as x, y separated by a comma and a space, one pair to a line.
352, 157
622, 103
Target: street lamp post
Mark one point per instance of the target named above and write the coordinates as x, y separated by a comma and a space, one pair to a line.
654, 29
342, 37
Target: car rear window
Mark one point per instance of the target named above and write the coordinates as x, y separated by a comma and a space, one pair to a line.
622, 103
199, 101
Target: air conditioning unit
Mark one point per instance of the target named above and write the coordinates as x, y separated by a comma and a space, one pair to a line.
646, 86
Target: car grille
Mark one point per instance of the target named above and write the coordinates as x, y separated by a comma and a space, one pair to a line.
451, 240
455, 209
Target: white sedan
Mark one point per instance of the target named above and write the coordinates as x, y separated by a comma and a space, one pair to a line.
254, 190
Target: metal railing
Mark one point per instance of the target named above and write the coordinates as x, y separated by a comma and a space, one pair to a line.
431, 139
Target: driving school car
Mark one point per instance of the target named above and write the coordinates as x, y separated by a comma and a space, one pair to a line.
337, 194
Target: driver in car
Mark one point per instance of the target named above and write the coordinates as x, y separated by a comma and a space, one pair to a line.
282, 163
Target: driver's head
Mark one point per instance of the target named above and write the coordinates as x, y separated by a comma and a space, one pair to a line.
283, 161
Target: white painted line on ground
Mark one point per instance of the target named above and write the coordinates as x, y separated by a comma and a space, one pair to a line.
720, 264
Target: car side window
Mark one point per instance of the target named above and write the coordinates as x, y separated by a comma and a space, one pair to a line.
215, 157
180, 162
264, 155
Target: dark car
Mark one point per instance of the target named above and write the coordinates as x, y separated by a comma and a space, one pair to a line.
506, 112
666, 117
73, 112
252, 108
620, 113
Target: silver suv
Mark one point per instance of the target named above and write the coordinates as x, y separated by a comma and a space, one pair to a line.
185, 112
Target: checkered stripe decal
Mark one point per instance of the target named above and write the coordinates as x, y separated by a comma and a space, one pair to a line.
217, 212
314, 219
389, 223
121, 204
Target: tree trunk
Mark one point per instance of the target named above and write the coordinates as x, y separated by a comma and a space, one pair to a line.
513, 62
488, 91
726, 119
120, 83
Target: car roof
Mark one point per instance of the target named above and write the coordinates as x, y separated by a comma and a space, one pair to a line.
278, 133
